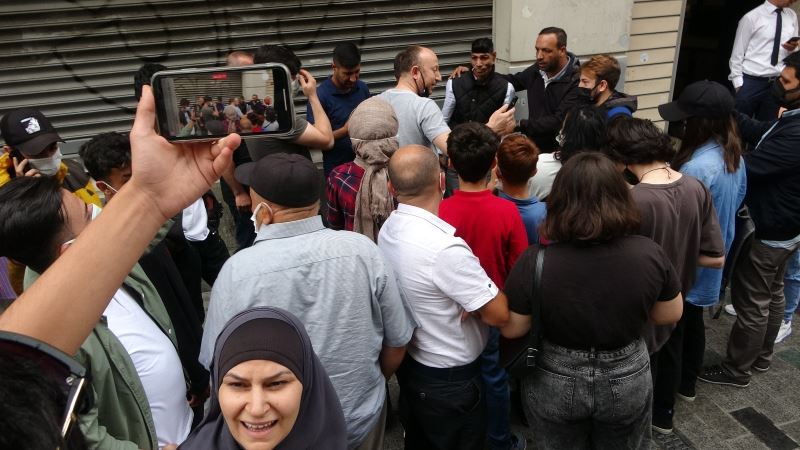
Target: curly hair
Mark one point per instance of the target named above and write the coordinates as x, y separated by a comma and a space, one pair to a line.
637, 141
584, 130
104, 152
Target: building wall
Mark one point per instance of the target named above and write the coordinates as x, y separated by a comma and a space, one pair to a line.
653, 54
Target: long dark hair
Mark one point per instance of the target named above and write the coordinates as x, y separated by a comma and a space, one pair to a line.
590, 201
700, 129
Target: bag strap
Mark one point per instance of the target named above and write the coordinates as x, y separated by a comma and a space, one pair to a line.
536, 305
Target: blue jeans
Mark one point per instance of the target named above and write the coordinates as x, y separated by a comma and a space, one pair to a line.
498, 398
791, 286
755, 98
580, 399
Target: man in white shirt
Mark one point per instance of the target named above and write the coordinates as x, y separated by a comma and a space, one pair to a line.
763, 40
441, 391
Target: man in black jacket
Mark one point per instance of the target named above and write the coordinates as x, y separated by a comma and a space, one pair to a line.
552, 85
773, 197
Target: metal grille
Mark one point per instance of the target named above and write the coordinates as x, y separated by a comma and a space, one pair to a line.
75, 60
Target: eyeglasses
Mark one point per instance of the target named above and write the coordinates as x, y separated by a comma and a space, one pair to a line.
62, 370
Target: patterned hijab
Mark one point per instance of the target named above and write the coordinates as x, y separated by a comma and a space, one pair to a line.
373, 131
276, 335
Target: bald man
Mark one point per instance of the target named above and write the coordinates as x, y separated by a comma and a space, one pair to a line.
421, 121
239, 58
443, 281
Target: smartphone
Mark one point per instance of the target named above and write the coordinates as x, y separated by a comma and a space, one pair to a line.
188, 107
513, 102
794, 39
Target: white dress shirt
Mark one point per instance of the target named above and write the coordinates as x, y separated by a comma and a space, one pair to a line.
755, 36
195, 221
441, 278
157, 364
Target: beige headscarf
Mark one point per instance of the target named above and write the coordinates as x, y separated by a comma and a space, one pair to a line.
373, 131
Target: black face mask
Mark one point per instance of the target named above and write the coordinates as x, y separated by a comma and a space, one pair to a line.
585, 94
788, 99
424, 92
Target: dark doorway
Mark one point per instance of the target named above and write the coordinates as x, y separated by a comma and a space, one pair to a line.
709, 27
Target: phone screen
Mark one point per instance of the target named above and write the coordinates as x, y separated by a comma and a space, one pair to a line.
195, 104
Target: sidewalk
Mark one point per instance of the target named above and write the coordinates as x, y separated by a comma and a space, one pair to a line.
765, 415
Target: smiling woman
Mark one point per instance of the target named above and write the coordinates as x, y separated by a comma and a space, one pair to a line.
269, 389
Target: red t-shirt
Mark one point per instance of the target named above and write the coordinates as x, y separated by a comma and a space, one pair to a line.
491, 226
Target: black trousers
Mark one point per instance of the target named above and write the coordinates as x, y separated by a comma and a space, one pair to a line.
679, 361
213, 253
441, 414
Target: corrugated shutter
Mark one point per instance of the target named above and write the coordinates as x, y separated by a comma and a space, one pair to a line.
75, 60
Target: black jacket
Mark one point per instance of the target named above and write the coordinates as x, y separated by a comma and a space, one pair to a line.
773, 176
547, 107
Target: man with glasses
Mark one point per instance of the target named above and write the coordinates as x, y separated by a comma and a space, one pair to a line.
131, 352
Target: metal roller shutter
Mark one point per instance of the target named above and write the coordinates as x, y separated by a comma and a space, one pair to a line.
75, 60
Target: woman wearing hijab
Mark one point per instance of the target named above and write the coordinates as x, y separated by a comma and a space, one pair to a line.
358, 192
269, 390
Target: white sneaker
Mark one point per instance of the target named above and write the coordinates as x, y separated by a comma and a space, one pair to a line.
729, 309
784, 331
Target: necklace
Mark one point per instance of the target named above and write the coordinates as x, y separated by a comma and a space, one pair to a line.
653, 170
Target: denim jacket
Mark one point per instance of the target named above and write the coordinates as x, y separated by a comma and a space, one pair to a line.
727, 192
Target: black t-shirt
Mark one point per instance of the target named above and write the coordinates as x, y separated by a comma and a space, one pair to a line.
594, 295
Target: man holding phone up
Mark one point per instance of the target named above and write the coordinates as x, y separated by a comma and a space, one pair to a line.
765, 36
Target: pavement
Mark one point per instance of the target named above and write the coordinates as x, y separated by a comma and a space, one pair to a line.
765, 415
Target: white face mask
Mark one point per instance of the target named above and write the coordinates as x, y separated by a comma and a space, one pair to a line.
254, 217
47, 166
95, 211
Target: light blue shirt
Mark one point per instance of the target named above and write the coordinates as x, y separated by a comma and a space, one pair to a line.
340, 287
533, 213
727, 193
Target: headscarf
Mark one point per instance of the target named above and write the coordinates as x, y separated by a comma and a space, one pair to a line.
373, 131
276, 335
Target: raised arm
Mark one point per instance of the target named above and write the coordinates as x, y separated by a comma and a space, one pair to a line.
320, 134
166, 178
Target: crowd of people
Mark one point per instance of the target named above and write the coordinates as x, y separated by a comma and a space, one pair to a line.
207, 115
447, 234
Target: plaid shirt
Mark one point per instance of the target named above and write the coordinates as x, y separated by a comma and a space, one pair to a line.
343, 184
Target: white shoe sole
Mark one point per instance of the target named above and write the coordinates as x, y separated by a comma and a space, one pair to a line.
780, 338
